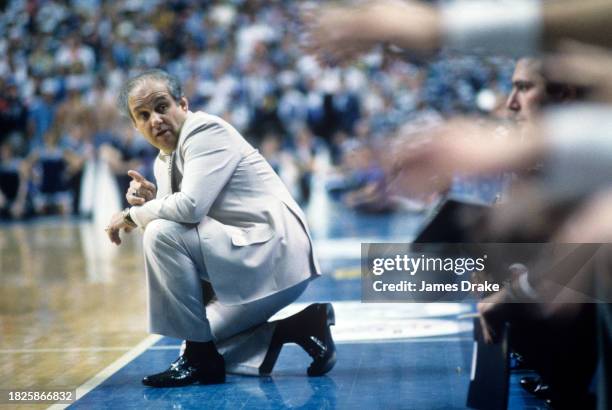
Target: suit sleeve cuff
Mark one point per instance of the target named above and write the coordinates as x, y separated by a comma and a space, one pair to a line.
511, 28
141, 216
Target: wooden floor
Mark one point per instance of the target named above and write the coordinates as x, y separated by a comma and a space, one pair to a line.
71, 303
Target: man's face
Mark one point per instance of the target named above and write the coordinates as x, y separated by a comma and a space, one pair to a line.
156, 115
528, 91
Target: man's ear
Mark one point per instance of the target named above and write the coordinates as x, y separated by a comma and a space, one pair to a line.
184, 104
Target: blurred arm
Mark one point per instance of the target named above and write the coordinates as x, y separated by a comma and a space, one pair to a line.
588, 21
518, 27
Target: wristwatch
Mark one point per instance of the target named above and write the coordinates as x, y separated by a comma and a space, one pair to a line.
127, 218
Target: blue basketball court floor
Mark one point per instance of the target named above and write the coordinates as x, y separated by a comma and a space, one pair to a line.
390, 356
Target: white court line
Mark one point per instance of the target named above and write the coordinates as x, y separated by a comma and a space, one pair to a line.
350, 248
176, 347
406, 340
67, 350
111, 369
366, 341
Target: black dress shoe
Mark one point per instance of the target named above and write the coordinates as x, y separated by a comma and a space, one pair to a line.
182, 372
530, 383
542, 391
309, 329
537, 387
320, 345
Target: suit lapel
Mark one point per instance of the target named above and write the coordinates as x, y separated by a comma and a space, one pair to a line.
176, 162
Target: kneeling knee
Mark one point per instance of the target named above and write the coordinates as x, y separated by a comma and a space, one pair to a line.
160, 231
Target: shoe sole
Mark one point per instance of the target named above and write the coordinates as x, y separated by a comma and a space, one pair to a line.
328, 366
201, 381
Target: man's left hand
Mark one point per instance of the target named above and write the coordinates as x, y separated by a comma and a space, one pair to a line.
117, 223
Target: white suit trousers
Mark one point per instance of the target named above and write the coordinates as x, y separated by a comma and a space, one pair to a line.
175, 268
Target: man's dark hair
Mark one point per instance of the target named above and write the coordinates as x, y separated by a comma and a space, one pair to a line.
173, 84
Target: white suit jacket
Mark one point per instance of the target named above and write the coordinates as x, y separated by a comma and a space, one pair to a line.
254, 237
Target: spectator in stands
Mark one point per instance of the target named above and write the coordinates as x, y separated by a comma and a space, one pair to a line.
50, 173
13, 114
14, 184
306, 149
361, 184
41, 113
78, 150
124, 151
75, 57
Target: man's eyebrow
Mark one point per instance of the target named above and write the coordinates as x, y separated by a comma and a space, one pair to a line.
155, 100
521, 82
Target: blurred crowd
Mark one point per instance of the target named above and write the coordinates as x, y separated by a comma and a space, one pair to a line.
65, 61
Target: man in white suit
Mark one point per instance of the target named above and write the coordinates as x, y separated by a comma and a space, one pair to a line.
219, 216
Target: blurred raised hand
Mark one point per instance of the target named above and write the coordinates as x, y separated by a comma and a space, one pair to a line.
336, 33
591, 223
427, 162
